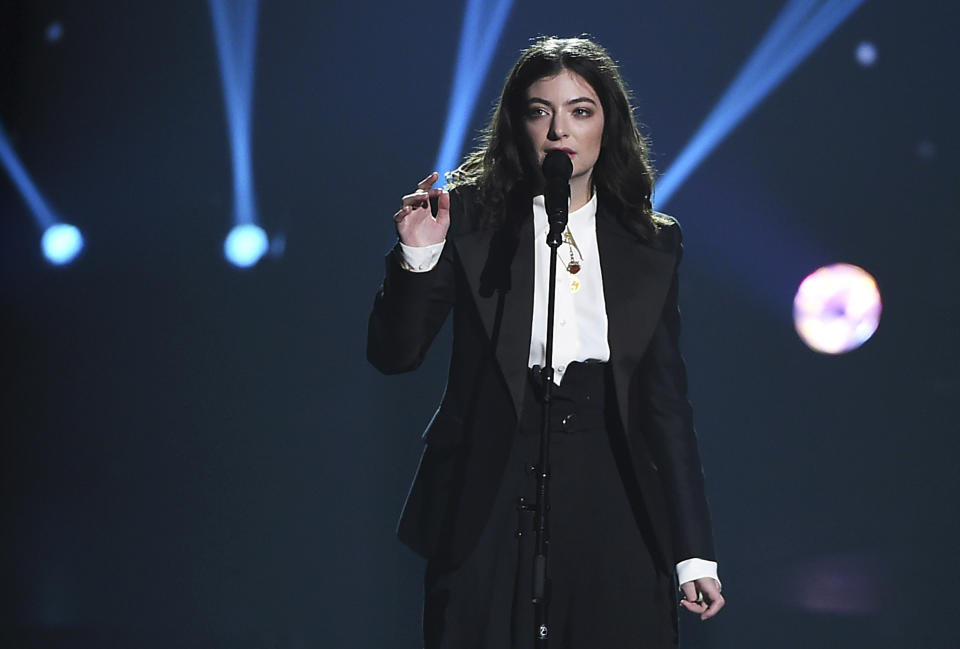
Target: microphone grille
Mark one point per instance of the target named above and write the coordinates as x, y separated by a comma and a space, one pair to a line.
557, 164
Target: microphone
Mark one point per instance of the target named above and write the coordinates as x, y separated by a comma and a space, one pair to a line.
557, 169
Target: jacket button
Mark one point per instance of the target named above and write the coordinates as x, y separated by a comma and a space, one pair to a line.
567, 422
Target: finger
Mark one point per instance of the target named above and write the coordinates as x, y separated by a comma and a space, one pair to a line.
690, 597
419, 198
443, 209
693, 607
401, 213
714, 598
429, 192
427, 182
713, 609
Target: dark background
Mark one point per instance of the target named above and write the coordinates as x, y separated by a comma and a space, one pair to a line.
198, 456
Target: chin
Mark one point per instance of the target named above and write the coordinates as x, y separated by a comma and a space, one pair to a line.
580, 173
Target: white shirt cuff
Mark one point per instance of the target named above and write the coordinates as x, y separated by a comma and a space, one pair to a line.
420, 260
693, 569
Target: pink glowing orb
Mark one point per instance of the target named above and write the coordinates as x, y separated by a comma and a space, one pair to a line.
837, 308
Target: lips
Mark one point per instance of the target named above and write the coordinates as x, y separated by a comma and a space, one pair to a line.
570, 152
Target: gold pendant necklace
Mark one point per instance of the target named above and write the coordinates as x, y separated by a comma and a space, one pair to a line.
574, 265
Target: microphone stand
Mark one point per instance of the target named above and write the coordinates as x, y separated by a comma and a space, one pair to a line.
557, 212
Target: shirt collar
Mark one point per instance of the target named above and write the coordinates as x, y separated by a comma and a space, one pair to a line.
586, 216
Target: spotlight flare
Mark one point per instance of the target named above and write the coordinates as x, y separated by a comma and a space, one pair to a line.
245, 245
61, 243
837, 308
866, 54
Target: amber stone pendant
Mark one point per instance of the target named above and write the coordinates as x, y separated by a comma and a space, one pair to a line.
573, 268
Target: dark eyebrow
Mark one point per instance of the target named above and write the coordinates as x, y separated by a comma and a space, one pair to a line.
576, 100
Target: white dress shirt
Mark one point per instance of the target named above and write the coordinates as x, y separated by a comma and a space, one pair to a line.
580, 317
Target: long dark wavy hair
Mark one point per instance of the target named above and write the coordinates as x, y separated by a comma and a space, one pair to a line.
505, 164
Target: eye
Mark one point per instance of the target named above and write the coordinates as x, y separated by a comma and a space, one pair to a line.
579, 111
535, 112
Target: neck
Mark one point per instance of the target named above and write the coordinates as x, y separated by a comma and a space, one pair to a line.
581, 191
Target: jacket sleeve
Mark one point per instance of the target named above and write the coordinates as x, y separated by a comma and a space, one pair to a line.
408, 311
670, 433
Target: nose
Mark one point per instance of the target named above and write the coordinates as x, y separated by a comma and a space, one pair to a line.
558, 128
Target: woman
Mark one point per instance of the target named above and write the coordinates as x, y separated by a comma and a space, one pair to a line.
628, 514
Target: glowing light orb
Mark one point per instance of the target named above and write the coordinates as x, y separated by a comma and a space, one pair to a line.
245, 245
54, 31
61, 243
278, 245
837, 308
866, 54
926, 149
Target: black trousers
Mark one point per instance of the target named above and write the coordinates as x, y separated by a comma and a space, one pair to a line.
607, 591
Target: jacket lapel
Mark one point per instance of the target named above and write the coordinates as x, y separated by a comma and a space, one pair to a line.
499, 268
636, 279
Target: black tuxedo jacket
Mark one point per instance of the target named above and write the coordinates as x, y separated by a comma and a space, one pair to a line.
485, 276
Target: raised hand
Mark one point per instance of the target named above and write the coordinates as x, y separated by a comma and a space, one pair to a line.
416, 226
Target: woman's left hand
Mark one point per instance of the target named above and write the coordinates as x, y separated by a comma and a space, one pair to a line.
711, 601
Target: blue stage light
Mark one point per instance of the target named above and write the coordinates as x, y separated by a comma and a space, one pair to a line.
18, 173
245, 245
799, 28
61, 243
54, 32
866, 54
477, 47
823, 23
235, 29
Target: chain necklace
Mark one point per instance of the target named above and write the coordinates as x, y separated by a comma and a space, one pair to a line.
573, 266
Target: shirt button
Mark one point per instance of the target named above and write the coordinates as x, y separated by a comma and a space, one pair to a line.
421, 266
563, 322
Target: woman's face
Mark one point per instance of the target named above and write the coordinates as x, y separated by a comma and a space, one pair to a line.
564, 112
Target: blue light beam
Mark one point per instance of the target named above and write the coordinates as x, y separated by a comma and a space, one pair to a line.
477, 47
784, 28
794, 35
235, 29
61, 242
